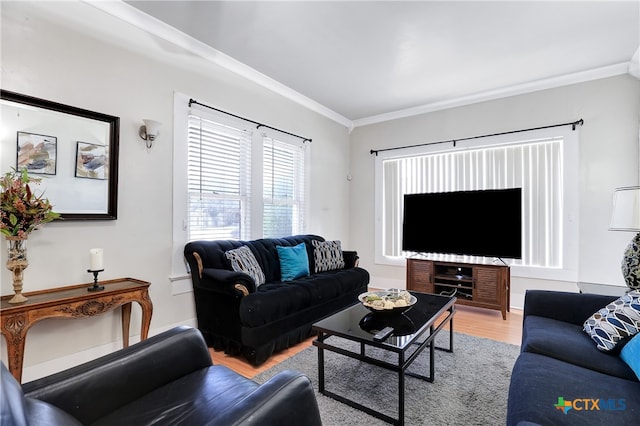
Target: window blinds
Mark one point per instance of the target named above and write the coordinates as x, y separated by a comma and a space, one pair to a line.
534, 166
283, 188
219, 184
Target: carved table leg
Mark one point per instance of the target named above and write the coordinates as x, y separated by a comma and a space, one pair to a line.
14, 330
147, 311
126, 319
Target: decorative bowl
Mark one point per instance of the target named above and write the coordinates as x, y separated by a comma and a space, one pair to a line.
387, 301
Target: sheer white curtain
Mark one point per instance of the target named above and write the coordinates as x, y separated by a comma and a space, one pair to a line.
535, 166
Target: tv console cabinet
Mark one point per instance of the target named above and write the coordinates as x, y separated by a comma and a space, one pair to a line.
474, 284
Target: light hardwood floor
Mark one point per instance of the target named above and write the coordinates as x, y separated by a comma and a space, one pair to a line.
468, 320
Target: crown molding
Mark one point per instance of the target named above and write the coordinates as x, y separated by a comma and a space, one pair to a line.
549, 83
153, 26
136, 17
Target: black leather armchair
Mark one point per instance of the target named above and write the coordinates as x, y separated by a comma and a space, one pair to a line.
167, 379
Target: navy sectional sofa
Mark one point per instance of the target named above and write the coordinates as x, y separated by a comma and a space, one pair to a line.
560, 377
239, 317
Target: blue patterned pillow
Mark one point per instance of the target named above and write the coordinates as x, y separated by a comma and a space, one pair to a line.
294, 262
616, 322
243, 260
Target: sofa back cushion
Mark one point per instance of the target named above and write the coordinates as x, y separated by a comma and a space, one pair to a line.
213, 253
267, 253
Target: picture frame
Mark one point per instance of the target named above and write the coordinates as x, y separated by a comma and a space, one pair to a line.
92, 161
37, 153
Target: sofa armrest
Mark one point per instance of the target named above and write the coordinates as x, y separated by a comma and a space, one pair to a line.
91, 390
286, 398
351, 259
573, 308
225, 282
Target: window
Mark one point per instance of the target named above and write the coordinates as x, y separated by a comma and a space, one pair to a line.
283, 188
535, 162
241, 183
219, 181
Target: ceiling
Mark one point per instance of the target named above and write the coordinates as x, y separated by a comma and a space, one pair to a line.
369, 61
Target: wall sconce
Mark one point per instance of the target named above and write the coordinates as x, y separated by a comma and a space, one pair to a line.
149, 131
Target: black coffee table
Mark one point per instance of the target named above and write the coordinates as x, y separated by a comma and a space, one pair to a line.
415, 330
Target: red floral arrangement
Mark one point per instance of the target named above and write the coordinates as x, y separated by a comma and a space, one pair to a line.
21, 211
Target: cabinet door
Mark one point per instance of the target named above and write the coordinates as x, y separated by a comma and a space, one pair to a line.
487, 288
420, 275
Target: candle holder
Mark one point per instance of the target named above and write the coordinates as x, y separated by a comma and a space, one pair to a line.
95, 287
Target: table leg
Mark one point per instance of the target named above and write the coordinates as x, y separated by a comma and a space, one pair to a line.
432, 358
147, 311
126, 319
401, 390
320, 364
14, 330
451, 332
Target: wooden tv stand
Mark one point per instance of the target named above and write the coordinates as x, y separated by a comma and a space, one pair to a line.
474, 284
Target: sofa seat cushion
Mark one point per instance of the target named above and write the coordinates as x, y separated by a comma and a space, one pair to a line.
567, 342
197, 398
274, 301
537, 383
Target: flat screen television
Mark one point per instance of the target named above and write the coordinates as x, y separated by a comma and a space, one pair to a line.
475, 223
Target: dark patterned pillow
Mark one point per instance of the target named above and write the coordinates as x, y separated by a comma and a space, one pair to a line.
615, 322
243, 260
327, 255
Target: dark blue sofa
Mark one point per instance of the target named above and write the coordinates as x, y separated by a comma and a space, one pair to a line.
559, 364
236, 316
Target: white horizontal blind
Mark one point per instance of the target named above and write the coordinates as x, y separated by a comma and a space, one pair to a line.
534, 166
219, 184
283, 188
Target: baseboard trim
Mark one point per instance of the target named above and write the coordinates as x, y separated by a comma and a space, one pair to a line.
37, 371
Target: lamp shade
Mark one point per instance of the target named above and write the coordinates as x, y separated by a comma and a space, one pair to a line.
152, 126
626, 209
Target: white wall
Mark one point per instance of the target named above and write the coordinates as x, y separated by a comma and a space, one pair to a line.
608, 158
47, 55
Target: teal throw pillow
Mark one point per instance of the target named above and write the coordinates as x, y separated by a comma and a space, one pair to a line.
294, 262
630, 354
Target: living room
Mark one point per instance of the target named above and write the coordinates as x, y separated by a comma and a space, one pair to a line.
78, 54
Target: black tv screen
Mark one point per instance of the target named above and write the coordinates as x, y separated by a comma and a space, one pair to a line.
475, 223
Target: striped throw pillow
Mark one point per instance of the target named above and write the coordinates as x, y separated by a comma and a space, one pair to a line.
327, 255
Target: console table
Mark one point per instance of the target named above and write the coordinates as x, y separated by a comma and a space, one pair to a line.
71, 302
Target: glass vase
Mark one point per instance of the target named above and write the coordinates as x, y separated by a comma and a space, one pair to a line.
16, 263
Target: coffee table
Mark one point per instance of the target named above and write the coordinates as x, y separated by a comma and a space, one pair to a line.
415, 330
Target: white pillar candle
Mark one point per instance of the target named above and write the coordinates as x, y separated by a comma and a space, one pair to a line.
96, 263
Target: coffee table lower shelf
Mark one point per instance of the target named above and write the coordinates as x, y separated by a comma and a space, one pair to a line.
403, 363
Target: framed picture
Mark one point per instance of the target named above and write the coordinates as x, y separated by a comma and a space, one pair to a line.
38, 153
92, 161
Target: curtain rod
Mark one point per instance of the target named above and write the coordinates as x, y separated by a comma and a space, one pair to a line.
573, 125
193, 101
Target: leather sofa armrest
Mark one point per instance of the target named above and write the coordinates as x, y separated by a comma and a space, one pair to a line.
351, 259
91, 390
286, 398
573, 308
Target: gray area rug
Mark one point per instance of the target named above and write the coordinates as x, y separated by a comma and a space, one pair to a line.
470, 388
